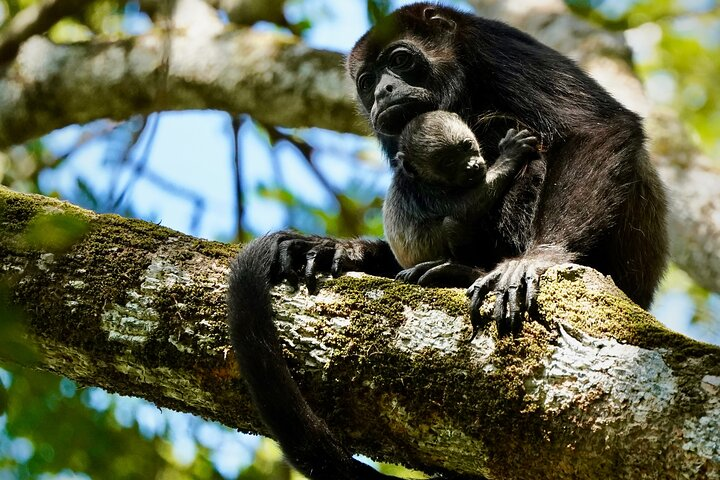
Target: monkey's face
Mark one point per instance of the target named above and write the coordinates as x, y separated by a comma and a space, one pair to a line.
458, 165
404, 69
395, 88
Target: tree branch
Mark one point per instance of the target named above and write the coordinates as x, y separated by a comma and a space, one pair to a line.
247, 12
273, 77
139, 309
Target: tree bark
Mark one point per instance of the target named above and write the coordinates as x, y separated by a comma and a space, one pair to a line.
594, 388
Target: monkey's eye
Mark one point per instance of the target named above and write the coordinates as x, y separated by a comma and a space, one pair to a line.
401, 60
467, 145
365, 82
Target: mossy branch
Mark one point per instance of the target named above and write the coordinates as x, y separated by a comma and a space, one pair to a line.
603, 392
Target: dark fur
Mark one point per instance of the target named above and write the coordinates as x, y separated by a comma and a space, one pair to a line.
440, 163
595, 199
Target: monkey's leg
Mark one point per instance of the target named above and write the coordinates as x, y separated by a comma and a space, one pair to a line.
413, 274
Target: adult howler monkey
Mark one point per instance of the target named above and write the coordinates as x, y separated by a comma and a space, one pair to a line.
594, 199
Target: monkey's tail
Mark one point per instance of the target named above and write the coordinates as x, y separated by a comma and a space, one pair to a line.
306, 440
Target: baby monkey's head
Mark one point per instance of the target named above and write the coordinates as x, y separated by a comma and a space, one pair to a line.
439, 148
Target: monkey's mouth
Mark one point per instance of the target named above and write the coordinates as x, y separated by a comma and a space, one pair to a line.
393, 118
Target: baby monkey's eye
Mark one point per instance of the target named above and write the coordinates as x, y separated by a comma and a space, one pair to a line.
467, 145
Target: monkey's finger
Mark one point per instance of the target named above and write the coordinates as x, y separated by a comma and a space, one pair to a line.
529, 142
449, 274
477, 293
404, 275
340, 262
292, 258
287, 272
476, 319
484, 285
499, 314
532, 284
434, 276
429, 274
412, 275
508, 136
512, 310
524, 134
516, 299
316, 258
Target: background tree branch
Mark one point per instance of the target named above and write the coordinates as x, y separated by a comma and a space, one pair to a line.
274, 77
139, 309
34, 20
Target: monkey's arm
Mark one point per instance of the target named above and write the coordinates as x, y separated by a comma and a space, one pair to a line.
602, 205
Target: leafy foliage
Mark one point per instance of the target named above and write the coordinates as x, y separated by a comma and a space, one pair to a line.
683, 39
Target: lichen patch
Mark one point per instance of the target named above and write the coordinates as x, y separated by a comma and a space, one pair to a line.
702, 435
429, 329
584, 370
134, 322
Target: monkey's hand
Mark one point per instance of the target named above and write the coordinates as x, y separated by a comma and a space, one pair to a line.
293, 255
515, 285
518, 145
516, 149
440, 273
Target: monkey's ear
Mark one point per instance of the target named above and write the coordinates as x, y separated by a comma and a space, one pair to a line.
402, 165
433, 17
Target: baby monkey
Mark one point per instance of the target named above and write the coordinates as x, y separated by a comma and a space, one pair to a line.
442, 191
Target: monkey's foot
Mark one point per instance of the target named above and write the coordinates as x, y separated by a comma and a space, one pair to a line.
440, 273
515, 283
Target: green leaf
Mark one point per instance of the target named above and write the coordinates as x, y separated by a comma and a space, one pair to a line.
378, 9
55, 232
